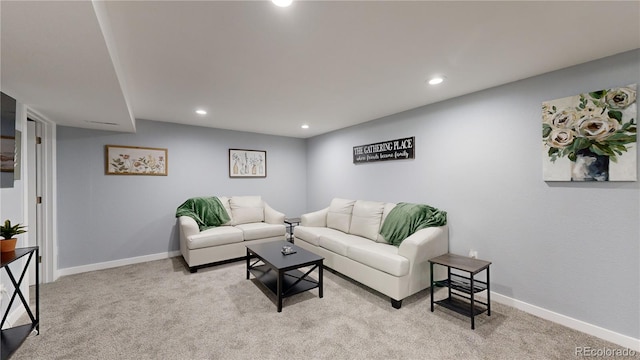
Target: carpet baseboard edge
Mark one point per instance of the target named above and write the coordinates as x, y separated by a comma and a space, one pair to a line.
575, 324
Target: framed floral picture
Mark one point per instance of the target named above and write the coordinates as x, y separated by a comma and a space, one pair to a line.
591, 136
134, 160
247, 163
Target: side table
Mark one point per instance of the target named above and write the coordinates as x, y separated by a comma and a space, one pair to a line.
291, 223
466, 286
12, 338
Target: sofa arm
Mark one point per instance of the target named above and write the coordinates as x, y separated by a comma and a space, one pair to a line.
315, 219
188, 226
425, 244
272, 216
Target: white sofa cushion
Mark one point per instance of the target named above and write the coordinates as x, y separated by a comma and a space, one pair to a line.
383, 257
219, 235
340, 242
366, 218
246, 209
259, 230
387, 209
339, 214
312, 234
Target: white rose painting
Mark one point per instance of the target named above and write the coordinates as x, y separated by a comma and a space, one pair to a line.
591, 136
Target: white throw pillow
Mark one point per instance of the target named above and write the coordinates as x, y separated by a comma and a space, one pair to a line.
246, 209
366, 219
387, 209
339, 214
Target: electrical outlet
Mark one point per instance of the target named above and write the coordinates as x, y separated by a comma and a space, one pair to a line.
473, 254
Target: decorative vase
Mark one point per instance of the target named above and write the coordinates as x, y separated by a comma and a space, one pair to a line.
8, 245
590, 166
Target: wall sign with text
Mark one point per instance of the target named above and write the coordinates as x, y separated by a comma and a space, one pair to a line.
400, 149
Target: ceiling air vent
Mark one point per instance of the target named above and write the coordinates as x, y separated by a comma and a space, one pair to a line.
100, 122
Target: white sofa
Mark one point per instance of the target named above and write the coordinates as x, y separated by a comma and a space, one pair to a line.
347, 235
252, 220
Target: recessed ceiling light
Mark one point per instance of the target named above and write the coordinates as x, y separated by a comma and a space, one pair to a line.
201, 112
282, 3
305, 126
436, 80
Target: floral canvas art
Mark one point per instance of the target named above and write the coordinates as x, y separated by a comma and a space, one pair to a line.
591, 136
133, 160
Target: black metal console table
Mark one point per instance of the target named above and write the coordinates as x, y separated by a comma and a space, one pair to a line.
13, 337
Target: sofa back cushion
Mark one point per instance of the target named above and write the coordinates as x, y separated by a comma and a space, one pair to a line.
247, 209
225, 202
387, 209
366, 219
339, 214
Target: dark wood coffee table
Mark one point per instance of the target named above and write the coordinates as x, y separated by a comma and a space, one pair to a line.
279, 272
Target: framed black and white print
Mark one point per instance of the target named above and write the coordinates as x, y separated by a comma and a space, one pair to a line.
245, 163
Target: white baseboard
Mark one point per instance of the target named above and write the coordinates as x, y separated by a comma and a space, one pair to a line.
116, 263
602, 333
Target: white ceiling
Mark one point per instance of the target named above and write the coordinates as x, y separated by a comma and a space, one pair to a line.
260, 68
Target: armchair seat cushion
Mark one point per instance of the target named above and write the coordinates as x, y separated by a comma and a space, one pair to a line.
220, 235
261, 230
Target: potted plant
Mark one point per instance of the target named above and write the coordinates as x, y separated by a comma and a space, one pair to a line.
8, 231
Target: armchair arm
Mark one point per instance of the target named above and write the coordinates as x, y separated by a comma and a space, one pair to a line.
316, 218
272, 216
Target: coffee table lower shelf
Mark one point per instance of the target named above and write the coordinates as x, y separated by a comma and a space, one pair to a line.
294, 283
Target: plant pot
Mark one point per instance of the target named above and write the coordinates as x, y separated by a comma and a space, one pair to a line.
8, 245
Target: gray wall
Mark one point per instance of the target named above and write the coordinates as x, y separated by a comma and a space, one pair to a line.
108, 217
571, 248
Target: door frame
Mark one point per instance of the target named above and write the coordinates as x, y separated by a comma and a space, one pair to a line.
49, 247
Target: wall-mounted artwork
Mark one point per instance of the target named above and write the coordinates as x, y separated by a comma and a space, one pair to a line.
134, 160
7, 153
400, 149
591, 136
247, 163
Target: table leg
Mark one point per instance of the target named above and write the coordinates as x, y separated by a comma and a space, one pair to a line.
280, 289
431, 266
473, 319
248, 263
488, 294
320, 280
449, 281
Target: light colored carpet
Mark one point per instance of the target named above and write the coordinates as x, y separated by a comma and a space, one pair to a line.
158, 310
